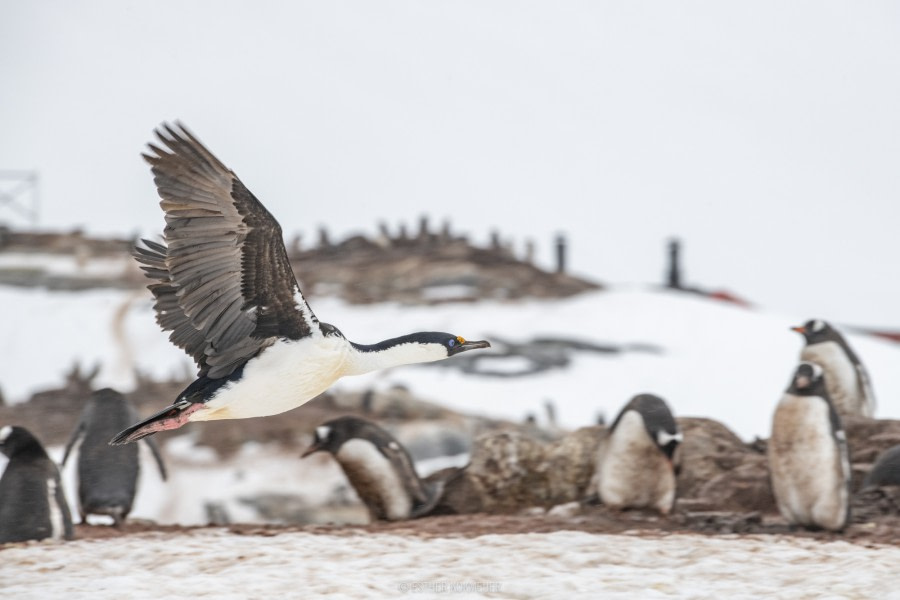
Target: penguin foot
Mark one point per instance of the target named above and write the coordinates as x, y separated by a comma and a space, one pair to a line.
171, 417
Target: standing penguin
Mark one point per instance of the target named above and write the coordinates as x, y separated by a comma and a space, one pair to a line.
635, 463
378, 468
845, 376
32, 503
808, 459
107, 475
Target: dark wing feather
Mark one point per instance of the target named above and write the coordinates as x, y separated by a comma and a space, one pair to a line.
223, 284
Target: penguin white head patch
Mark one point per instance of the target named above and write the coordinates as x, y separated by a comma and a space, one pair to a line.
322, 432
818, 325
664, 437
816, 368
806, 374
5, 433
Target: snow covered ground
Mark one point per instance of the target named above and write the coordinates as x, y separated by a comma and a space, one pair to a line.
717, 360
564, 564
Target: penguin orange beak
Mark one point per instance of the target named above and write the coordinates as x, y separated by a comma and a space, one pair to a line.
313, 448
799, 329
467, 345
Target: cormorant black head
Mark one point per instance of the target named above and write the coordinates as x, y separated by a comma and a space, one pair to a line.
15, 440
455, 344
816, 330
331, 435
451, 344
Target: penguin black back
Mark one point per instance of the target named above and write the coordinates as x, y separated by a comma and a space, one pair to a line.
808, 380
658, 421
378, 467
886, 470
32, 503
635, 466
107, 475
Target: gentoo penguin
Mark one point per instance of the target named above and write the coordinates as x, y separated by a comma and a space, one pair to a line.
225, 289
107, 475
378, 468
635, 463
808, 459
32, 503
886, 470
845, 376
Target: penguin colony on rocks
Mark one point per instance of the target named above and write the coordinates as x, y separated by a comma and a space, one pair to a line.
635, 465
225, 290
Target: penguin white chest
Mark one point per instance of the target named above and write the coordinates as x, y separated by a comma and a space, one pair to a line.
375, 480
840, 375
284, 376
808, 466
633, 472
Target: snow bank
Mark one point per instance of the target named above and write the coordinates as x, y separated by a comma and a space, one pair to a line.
717, 360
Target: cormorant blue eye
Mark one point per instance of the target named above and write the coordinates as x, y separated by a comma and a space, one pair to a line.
451, 343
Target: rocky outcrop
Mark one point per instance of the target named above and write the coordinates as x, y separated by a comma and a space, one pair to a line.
719, 471
426, 267
719, 474
512, 470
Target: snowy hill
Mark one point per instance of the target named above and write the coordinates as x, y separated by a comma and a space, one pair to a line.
713, 359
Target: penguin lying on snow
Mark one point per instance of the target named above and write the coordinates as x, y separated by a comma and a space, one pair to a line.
808, 459
846, 378
886, 470
378, 468
32, 503
107, 475
635, 467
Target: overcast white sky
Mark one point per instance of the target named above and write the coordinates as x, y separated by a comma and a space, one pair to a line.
765, 134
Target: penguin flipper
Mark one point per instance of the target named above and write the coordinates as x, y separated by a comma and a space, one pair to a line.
154, 447
435, 491
868, 395
79, 430
171, 417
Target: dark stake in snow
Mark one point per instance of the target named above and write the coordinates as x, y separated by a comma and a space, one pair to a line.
225, 289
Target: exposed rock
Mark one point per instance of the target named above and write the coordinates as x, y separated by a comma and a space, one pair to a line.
510, 471
429, 267
746, 487
871, 504
709, 449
